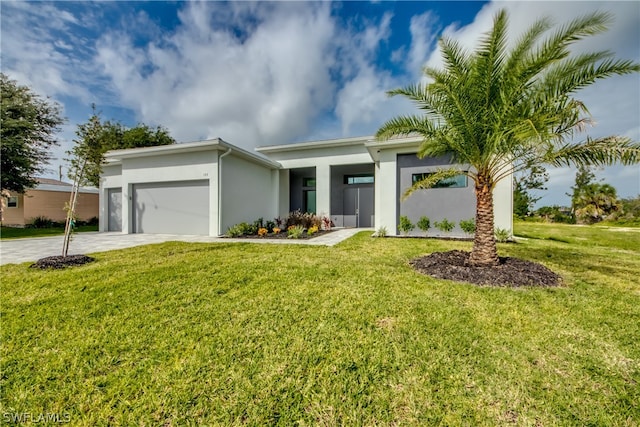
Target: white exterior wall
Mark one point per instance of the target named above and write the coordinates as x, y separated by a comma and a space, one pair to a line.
385, 191
386, 196
321, 159
503, 204
247, 192
159, 168
111, 177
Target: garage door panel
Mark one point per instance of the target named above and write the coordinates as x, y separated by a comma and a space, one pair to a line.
171, 207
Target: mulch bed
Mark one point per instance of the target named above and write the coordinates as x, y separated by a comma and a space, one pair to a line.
512, 272
61, 262
282, 235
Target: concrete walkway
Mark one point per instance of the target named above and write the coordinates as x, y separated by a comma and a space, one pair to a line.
13, 251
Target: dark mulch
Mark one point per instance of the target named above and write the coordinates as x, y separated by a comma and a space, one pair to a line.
61, 262
282, 235
453, 265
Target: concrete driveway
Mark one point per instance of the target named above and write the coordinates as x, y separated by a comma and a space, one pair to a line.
13, 251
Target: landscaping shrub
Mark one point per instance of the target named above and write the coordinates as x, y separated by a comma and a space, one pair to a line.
241, 229
270, 225
382, 232
424, 224
468, 226
304, 219
502, 235
326, 223
445, 225
41, 222
295, 231
406, 225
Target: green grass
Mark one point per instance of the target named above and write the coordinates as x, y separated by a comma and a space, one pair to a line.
19, 233
235, 334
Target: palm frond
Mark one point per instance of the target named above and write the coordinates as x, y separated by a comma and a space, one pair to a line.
597, 152
406, 126
489, 58
556, 47
454, 56
577, 73
524, 45
431, 180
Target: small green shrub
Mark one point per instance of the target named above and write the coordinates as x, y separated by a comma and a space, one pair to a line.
41, 222
502, 235
382, 232
424, 224
257, 225
270, 225
445, 225
468, 226
242, 229
405, 225
295, 231
91, 221
236, 230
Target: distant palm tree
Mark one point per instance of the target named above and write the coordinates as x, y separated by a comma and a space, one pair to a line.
595, 202
502, 110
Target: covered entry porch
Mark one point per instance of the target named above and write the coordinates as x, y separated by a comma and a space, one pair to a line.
345, 193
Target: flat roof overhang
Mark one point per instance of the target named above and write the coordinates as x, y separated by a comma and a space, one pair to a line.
115, 157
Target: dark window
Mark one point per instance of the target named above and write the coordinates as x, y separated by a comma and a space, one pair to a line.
12, 202
458, 181
308, 182
358, 179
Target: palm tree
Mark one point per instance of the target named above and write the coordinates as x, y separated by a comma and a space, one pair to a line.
502, 110
595, 202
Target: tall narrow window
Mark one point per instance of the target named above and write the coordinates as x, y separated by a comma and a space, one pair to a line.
309, 194
310, 201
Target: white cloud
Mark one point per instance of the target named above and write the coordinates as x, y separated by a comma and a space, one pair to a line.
260, 73
423, 38
262, 86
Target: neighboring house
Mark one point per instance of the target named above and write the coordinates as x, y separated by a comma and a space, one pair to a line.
48, 200
206, 187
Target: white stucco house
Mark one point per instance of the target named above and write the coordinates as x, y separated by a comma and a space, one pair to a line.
205, 187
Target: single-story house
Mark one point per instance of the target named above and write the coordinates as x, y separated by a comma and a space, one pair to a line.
205, 187
48, 200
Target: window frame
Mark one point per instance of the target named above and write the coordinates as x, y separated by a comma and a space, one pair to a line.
348, 178
9, 202
309, 182
415, 177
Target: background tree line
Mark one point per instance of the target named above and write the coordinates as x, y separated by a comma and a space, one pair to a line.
591, 201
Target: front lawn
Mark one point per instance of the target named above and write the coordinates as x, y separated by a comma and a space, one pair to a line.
241, 333
17, 233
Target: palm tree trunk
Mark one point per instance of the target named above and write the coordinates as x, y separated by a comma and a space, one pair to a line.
484, 252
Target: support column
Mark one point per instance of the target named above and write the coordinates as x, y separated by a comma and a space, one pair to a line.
323, 190
284, 193
386, 194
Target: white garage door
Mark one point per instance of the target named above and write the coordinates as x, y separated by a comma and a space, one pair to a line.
171, 207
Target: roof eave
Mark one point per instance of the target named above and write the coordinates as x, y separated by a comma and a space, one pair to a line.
329, 143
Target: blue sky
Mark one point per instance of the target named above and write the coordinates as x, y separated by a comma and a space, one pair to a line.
274, 73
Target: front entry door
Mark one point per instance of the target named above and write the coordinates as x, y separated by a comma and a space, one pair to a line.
358, 207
